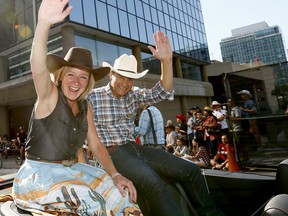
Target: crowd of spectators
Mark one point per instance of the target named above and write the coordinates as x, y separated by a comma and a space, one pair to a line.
204, 136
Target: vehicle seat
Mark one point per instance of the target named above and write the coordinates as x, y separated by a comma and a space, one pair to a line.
278, 206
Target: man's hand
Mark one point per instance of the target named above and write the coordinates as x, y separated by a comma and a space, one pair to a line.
162, 50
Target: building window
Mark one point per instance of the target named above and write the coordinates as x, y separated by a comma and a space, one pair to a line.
113, 20
89, 13
191, 71
101, 50
19, 62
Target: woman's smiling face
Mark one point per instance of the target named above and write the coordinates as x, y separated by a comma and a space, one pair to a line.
74, 82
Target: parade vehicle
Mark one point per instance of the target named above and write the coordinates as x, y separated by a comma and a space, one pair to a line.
236, 193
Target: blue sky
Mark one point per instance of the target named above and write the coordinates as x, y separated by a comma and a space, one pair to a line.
221, 16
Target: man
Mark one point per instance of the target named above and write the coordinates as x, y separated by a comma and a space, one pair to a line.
21, 139
190, 131
115, 108
221, 117
237, 130
145, 129
249, 110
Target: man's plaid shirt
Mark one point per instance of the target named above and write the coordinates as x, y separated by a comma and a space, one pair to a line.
114, 118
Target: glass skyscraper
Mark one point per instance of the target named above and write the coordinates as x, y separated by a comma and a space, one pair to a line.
257, 42
108, 28
135, 20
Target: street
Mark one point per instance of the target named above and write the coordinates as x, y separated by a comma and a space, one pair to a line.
8, 166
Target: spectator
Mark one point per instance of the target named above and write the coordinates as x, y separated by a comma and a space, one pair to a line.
115, 108
237, 131
212, 131
193, 111
169, 122
181, 127
171, 138
220, 116
181, 148
145, 129
21, 139
199, 154
249, 110
199, 130
220, 160
190, 130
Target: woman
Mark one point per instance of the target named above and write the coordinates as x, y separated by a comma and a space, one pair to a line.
199, 155
181, 148
51, 179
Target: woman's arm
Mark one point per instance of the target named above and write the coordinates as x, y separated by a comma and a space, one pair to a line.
50, 12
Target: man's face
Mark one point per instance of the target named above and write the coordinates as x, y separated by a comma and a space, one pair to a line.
120, 85
216, 107
244, 96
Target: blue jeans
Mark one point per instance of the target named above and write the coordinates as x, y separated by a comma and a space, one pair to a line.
147, 166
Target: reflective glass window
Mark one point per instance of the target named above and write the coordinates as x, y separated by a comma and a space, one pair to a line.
112, 2
102, 17
133, 27
153, 3
124, 28
173, 24
159, 5
191, 71
151, 63
147, 12
141, 26
77, 12
113, 20
89, 13
171, 10
161, 19
150, 32
101, 50
154, 16
167, 21
178, 26
131, 6
139, 8
122, 4
176, 42
165, 7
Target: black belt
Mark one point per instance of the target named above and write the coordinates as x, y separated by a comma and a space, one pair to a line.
112, 149
68, 163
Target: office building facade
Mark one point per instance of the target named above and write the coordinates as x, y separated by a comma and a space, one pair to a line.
256, 42
108, 28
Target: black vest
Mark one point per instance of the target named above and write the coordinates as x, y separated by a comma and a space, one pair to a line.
59, 135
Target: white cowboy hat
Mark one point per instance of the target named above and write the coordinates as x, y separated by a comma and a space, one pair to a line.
126, 66
215, 103
246, 92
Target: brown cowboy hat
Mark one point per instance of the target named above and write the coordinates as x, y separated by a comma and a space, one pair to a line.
207, 108
76, 57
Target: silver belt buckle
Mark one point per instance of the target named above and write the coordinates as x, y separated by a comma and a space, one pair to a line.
68, 163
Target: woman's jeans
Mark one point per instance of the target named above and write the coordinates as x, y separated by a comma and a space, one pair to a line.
146, 166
